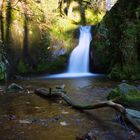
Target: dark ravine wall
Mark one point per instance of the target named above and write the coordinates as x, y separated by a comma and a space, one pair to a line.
116, 41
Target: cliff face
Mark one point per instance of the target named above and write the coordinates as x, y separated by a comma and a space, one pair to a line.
116, 41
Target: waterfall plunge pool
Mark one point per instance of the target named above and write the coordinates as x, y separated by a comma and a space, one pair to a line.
73, 75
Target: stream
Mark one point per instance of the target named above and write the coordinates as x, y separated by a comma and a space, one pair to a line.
27, 116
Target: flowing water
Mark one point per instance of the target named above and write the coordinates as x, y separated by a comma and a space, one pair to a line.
27, 116
79, 58
110, 4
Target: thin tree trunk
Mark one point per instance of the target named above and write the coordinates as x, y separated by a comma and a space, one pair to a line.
1, 21
25, 40
9, 20
25, 52
82, 12
61, 7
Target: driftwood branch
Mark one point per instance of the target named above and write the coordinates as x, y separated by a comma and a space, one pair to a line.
132, 116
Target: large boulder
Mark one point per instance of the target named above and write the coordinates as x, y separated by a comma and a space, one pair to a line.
125, 94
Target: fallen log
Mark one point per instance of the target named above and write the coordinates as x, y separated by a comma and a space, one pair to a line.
132, 116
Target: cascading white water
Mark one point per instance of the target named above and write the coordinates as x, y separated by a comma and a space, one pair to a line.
110, 4
79, 58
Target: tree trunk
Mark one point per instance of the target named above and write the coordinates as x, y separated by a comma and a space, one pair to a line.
1, 21
25, 51
8, 25
82, 12
61, 2
25, 40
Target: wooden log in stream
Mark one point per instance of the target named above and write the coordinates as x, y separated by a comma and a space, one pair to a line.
131, 115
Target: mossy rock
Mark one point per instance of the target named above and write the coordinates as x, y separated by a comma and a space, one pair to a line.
125, 94
14, 88
2, 71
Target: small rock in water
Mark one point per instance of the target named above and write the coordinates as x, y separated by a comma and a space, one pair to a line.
132, 135
124, 81
60, 102
27, 103
15, 87
78, 121
64, 123
12, 117
24, 122
37, 107
64, 112
61, 86
28, 91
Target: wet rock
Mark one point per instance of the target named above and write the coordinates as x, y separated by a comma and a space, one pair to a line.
138, 87
88, 136
125, 94
14, 88
24, 122
27, 103
12, 117
64, 112
124, 81
60, 87
37, 107
64, 123
132, 135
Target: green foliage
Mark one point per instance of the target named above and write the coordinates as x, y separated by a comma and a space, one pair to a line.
130, 72
42, 67
56, 66
59, 65
125, 94
22, 67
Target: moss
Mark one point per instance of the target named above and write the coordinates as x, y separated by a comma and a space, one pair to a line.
130, 72
42, 67
58, 65
125, 94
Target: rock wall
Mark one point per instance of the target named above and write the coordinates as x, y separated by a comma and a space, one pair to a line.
115, 44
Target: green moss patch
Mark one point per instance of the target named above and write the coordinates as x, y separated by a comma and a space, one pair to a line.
125, 94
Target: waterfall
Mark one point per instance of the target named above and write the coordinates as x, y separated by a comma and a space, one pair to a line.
110, 4
79, 58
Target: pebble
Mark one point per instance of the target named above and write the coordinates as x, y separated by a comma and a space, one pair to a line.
64, 112
64, 123
24, 122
